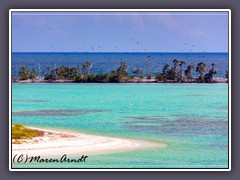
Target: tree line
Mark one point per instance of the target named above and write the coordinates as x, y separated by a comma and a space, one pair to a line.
82, 73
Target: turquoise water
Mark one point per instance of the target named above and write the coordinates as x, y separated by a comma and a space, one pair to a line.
192, 119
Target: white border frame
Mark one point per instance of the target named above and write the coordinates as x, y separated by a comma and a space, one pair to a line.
122, 10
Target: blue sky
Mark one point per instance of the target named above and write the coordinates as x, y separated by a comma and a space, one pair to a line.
119, 31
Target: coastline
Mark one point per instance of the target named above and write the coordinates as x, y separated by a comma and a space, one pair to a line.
58, 142
144, 80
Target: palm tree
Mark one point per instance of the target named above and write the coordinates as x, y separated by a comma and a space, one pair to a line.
208, 77
122, 70
200, 69
188, 71
175, 61
181, 66
86, 67
89, 66
24, 73
165, 68
164, 75
32, 74
213, 70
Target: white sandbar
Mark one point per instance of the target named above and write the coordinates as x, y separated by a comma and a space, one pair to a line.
57, 143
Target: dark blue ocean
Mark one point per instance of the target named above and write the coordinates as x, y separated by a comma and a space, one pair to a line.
106, 62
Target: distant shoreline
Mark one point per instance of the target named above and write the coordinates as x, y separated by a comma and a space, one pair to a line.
144, 80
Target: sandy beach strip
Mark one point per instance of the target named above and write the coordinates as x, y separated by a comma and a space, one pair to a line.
135, 80
57, 143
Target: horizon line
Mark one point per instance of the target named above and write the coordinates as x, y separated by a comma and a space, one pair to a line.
118, 52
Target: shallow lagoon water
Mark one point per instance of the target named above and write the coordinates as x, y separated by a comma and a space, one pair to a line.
192, 119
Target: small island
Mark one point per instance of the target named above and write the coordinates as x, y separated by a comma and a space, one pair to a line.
82, 74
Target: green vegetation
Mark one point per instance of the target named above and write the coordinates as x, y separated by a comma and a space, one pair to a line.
163, 76
181, 75
138, 73
20, 132
201, 69
86, 68
226, 75
82, 74
119, 75
174, 72
26, 73
208, 77
61, 73
188, 72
